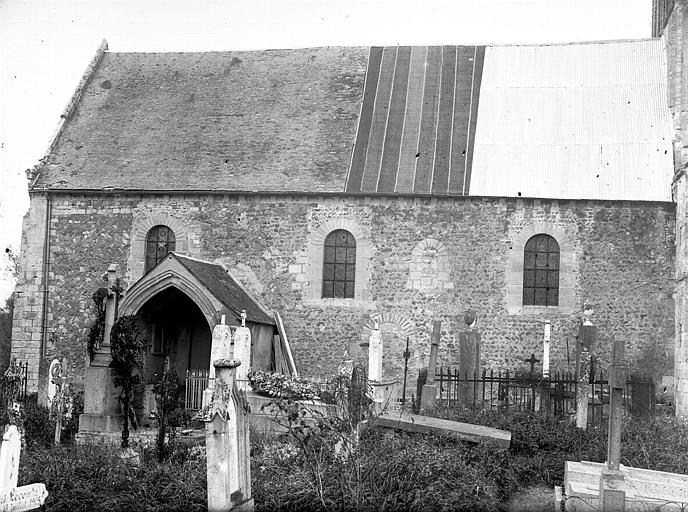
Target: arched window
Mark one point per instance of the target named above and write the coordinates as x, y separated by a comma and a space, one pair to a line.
339, 265
159, 241
541, 271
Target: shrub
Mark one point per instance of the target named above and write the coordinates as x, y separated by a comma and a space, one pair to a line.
278, 385
39, 428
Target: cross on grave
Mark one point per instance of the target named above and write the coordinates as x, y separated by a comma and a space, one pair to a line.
13, 498
532, 360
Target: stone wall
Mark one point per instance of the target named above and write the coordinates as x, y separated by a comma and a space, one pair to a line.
424, 259
677, 68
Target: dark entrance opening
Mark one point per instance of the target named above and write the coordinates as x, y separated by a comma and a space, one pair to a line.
179, 334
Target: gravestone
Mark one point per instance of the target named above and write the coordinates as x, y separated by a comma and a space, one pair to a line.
227, 443
583, 390
429, 394
13, 498
545, 349
469, 358
375, 352
102, 409
52, 383
220, 348
242, 352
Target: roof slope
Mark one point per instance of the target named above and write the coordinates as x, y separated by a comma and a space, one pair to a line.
573, 121
578, 121
221, 284
267, 120
417, 124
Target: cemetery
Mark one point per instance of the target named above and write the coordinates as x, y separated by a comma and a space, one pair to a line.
264, 440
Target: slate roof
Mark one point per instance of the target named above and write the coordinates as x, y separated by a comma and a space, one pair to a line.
221, 284
570, 121
256, 121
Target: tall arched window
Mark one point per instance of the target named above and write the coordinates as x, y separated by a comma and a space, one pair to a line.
339, 265
541, 271
159, 241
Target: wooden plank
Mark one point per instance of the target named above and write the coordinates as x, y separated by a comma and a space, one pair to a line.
463, 431
395, 122
363, 134
285, 344
440, 175
378, 128
428, 122
414, 104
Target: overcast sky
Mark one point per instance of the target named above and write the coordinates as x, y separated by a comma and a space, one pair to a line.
45, 47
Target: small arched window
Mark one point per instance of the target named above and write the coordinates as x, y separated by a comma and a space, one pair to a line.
339, 265
159, 242
541, 271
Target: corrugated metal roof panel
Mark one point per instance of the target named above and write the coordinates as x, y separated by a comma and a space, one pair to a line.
582, 121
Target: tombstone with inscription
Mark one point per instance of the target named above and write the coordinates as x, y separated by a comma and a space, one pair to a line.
13, 498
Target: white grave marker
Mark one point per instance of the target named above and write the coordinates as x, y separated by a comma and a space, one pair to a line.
13, 498
242, 352
375, 352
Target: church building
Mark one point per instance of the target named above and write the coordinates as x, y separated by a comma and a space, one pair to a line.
316, 188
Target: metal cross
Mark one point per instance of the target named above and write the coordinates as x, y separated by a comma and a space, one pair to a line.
532, 361
407, 355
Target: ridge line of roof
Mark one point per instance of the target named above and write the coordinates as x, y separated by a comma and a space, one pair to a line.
245, 290
363, 46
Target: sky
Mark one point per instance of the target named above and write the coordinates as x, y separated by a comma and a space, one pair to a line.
45, 47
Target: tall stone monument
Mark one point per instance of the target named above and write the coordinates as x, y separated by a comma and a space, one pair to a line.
375, 352
220, 348
102, 411
242, 352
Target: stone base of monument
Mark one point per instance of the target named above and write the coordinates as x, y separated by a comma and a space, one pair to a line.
644, 489
262, 417
385, 394
102, 409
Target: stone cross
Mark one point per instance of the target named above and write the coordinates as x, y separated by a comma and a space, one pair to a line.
13, 498
532, 360
612, 494
242, 352
111, 302
375, 353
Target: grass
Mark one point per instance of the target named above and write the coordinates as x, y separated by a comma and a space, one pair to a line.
388, 471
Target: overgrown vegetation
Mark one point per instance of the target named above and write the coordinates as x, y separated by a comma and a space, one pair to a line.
278, 385
170, 412
382, 470
97, 330
128, 344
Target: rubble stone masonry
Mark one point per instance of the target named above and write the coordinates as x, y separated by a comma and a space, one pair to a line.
420, 259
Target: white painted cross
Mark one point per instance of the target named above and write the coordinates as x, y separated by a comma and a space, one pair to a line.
13, 498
